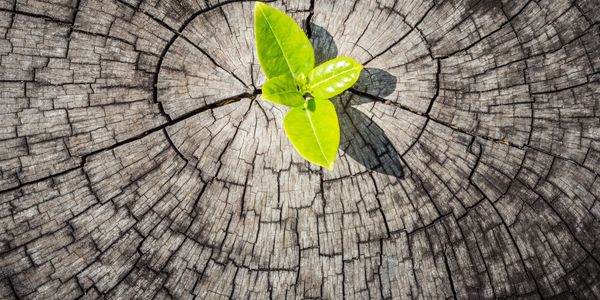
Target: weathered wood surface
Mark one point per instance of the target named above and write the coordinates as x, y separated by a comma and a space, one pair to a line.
137, 160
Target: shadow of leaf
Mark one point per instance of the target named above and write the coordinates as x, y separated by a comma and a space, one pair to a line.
323, 44
376, 82
361, 138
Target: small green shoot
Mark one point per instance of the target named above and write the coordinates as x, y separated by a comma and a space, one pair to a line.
287, 58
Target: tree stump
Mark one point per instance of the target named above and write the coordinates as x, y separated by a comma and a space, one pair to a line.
137, 159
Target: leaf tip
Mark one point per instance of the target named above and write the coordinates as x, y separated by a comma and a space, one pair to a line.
260, 7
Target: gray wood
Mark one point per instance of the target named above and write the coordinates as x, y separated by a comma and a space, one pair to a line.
137, 159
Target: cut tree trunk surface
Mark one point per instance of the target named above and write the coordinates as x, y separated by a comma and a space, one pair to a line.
137, 159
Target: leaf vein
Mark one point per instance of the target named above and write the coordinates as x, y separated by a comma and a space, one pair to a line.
278, 43
312, 126
334, 76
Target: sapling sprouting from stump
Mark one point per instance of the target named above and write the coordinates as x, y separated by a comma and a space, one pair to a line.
287, 59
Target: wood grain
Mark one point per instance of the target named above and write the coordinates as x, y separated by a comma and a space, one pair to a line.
138, 161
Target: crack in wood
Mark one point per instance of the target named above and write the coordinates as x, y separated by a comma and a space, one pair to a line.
138, 161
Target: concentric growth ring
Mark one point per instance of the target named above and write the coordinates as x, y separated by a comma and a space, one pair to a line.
137, 159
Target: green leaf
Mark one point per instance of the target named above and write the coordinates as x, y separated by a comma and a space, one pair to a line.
314, 131
282, 90
333, 77
282, 46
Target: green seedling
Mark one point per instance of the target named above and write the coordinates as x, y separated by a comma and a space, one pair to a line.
287, 58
